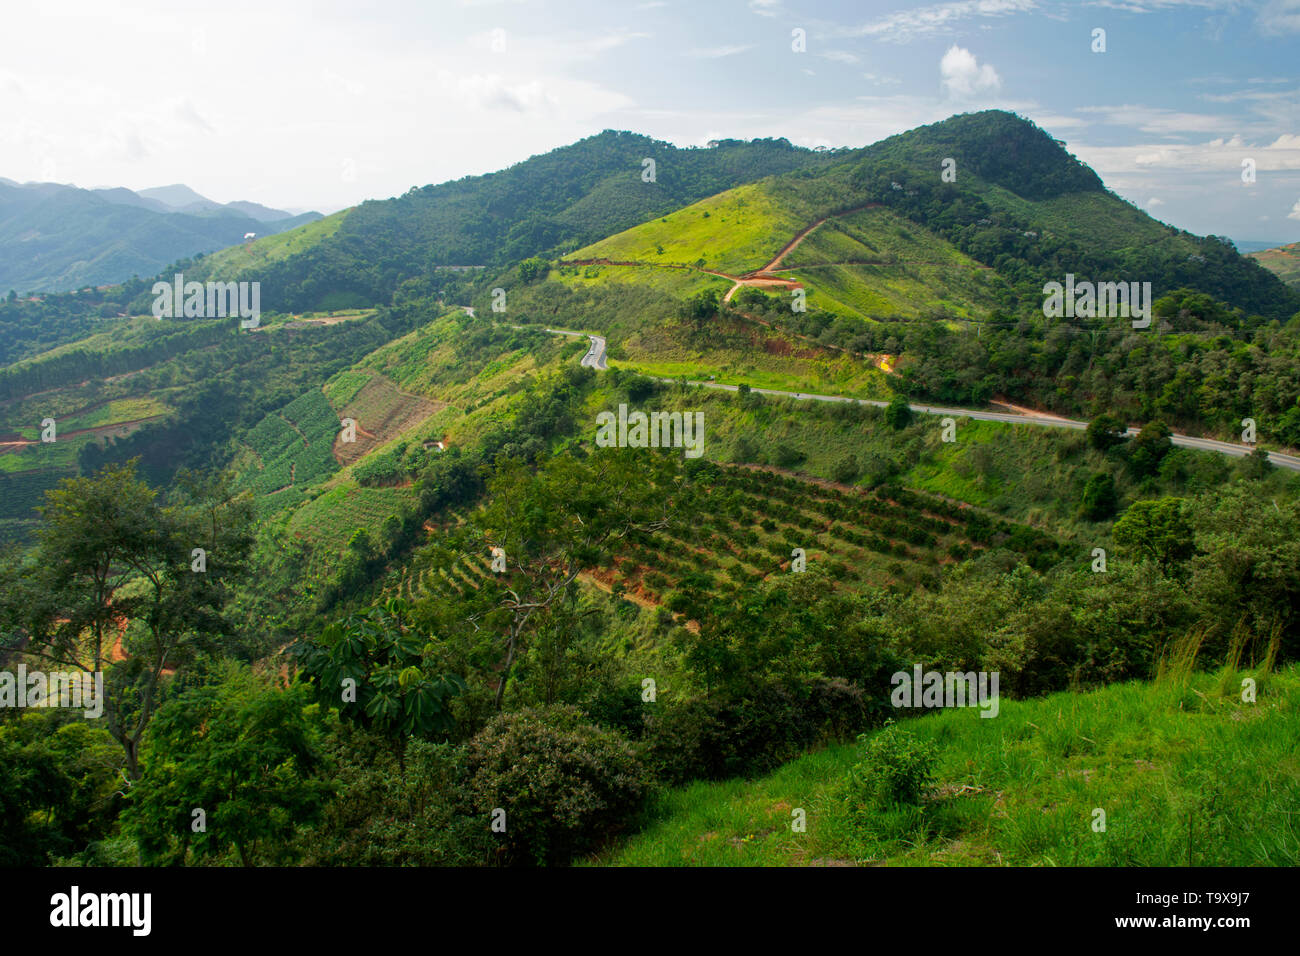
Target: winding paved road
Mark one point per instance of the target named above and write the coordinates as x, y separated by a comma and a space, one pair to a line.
595, 358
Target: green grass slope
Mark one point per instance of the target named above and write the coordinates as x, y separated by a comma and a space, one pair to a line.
1186, 773
733, 232
246, 260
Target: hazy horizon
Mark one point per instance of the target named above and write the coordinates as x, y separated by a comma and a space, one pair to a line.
316, 107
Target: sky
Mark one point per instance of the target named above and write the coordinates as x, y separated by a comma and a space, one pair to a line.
320, 105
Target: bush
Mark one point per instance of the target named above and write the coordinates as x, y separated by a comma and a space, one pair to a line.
1099, 498
898, 414
391, 812
1105, 432
896, 769
787, 456
716, 738
1148, 448
845, 470
564, 783
533, 269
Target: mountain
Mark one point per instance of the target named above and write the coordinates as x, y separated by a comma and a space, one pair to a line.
546, 204
179, 198
1024, 205
476, 429
259, 212
56, 237
879, 236
1283, 261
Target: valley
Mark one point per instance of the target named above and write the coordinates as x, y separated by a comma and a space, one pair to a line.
429, 581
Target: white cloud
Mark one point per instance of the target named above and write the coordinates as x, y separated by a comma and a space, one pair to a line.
1280, 16
1215, 156
1055, 121
1155, 6
490, 91
963, 76
1295, 211
716, 52
1150, 119
1153, 202
906, 25
840, 56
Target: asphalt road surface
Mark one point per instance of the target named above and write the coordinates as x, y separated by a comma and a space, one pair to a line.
595, 358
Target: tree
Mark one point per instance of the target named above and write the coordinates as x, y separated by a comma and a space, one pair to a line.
1099, 498
898, 414
563, 782
1257, 464
1247, 566
554, 523
116, 566
244, 754
1148, 448
377, 669
533, 268
845, 470
1105, 432
1159, 531
701, 307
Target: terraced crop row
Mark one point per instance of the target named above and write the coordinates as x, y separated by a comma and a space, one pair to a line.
741, 525
294, 445
466, 574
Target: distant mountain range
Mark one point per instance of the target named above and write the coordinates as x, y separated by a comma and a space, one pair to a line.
56, 237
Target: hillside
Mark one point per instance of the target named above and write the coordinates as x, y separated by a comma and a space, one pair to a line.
938, 282
560, 200
1284, 262
1024, 205
360, 468
55, 238
1187, 774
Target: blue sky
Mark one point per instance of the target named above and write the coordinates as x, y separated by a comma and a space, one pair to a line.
322, 104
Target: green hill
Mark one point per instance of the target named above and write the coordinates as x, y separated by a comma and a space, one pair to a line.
1284, 262
1185, 772
1021, 203
556, 201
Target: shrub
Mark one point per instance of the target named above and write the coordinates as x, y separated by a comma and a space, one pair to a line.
1105, 432
845, 470
718, 737
1147, 449
896, 768
787, 456
388, 812
898, 414
563, 782
1099, 498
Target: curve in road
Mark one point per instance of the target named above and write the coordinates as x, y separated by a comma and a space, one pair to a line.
595, 358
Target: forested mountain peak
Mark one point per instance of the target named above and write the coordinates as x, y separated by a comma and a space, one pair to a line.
547, 204
1002, 148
